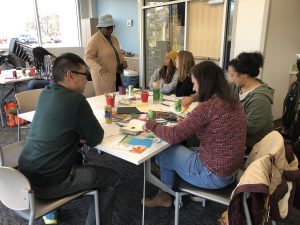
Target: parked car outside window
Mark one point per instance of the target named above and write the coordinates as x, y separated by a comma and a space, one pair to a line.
27, 39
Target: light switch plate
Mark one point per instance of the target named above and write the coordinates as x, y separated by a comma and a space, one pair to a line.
129, 23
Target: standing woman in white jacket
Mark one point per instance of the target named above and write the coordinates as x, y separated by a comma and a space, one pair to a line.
167, 74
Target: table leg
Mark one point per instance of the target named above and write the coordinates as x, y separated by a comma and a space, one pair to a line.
155, 181
1, 115
144, 194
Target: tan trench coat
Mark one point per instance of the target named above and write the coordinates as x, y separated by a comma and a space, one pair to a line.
100, 57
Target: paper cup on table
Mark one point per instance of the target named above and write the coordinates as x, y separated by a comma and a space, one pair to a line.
110, 101
144, 96
32, 71
122, 90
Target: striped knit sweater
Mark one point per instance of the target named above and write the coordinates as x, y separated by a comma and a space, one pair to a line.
221, 131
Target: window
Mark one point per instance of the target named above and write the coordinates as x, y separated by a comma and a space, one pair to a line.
156, 2
58, 23
164, 31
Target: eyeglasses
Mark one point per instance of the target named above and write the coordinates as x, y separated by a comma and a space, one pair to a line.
110, 27
86, 74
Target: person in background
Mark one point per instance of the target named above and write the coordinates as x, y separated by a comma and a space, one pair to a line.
167, 74
43, 64
255, 95
104, 57
64, 119
219, 122
184, 64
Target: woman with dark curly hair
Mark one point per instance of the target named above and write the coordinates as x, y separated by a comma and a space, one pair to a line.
255, 95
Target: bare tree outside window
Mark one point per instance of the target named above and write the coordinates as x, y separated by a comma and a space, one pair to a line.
164, 29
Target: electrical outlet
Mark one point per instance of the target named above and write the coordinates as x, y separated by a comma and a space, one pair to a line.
129, 23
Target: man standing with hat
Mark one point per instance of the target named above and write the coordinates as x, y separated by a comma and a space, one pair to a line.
104, 57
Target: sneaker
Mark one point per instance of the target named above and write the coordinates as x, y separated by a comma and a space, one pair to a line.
161, 199
50, 218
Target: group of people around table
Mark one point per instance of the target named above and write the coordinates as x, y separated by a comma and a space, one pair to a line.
230, 118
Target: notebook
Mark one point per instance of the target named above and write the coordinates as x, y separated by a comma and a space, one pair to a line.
128, 110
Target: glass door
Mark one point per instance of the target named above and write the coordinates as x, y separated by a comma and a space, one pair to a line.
164, 31
228, 33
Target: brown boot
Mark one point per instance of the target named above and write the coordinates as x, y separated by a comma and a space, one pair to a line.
161, 199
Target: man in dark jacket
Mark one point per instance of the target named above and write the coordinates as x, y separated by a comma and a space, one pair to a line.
64, 119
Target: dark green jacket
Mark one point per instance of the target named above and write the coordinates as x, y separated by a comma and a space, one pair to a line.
61, 119
257, 105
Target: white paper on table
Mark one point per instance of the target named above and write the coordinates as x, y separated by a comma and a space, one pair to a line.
99, 114
135, 125
109, 129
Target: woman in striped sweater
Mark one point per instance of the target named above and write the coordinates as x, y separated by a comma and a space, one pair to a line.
219, 122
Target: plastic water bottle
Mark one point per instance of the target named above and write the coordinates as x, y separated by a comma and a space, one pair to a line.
156, 92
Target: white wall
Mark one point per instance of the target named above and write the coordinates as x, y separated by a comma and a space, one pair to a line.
282, 44
249, 25
60, 50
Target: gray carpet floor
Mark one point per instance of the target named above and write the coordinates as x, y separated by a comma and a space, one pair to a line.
127, 208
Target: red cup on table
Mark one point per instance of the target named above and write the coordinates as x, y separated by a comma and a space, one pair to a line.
122, 90
110, 101
32, 71
144, 96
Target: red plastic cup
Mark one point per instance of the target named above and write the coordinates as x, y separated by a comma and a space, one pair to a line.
122, 90
110, 101
144, 96
32, 71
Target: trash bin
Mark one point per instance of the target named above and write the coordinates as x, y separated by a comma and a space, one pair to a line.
131, 77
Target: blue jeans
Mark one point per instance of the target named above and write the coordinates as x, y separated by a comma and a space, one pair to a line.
180, 160
36, 84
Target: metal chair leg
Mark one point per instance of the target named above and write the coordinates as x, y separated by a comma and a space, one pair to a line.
246, 209
96, 197
19, 129
32, 209
176, 203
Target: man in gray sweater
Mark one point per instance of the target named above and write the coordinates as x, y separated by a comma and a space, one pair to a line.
64, 119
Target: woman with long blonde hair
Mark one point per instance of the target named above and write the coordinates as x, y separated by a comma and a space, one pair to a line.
184, 64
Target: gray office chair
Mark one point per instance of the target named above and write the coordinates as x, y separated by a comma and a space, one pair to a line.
221, 196
9, 154
27, 101
16, 193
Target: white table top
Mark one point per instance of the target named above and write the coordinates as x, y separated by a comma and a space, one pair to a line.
111, 131
6, 77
